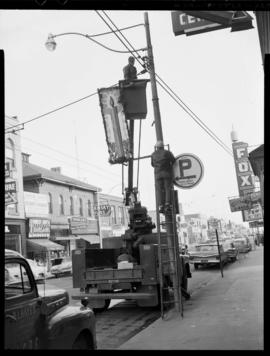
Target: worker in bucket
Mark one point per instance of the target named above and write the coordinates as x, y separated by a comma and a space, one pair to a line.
162, 160
130, 71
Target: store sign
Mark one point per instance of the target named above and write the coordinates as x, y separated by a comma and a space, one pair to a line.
246, 202
253, 214
82, 226
189, 25
254, 224
10, 193
245, 177
39, 228
214, 224
36, 205
103, 210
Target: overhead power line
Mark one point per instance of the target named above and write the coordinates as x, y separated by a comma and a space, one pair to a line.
164, 86
185, 108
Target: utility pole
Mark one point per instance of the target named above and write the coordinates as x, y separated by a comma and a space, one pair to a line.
172, 240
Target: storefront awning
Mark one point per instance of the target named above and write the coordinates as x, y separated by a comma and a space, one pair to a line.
94, 239
66, 238
43, 244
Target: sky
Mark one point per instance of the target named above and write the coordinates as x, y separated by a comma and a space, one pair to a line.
218, 75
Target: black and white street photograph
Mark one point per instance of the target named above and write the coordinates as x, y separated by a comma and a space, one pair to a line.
134, 176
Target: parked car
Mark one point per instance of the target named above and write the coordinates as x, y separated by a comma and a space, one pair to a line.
38, 317
242, 244
207, 254
39, 272
65, 267
230, 249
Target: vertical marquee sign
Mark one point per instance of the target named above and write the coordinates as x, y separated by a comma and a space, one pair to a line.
245, 178
244, 173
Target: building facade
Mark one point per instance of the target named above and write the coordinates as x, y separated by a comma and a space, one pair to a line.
70, 202
15, 235
113, 215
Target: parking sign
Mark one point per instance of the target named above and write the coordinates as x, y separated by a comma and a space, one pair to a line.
187, 171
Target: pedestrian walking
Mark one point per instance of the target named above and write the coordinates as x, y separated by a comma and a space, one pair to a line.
162, 160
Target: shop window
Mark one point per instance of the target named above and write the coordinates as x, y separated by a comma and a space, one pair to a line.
71, 206
89, 208
50, 204
113, 215
10, 152
61, 205
81, 207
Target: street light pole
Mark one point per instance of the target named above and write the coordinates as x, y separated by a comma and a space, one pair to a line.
172, 239
152, 73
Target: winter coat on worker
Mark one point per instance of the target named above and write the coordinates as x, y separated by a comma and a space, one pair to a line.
162, 160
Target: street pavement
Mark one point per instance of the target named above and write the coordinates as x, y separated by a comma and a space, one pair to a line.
225, 314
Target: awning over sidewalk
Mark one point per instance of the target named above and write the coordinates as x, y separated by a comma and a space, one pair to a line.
93, 239
43, 245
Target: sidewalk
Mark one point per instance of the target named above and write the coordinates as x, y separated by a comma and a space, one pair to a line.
227, 314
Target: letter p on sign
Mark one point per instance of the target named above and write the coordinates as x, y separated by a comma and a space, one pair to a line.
187, 171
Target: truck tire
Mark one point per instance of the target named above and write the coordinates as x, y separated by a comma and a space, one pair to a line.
105, 307
82, 343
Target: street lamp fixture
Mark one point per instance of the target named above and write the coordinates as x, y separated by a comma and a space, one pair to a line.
50, 43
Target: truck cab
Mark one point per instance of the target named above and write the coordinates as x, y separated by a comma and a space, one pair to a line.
37, 317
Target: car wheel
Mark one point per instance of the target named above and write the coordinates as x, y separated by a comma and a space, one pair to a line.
196, 266
82, 343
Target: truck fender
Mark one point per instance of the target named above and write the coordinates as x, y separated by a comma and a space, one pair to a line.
66, 325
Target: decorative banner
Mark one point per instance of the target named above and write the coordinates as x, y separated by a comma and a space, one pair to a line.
246, 202
115, 124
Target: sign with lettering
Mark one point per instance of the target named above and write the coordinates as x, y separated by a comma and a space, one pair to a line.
189, 25
39, 228
103, 210
253, 214
245, 177
82, 226
36, 204
246, 202
254, 224
187, 171
10, 193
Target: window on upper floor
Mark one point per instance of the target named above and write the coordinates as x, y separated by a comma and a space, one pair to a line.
71, 206
61, 205
10, 152
50, 203
81, 207
89, 208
